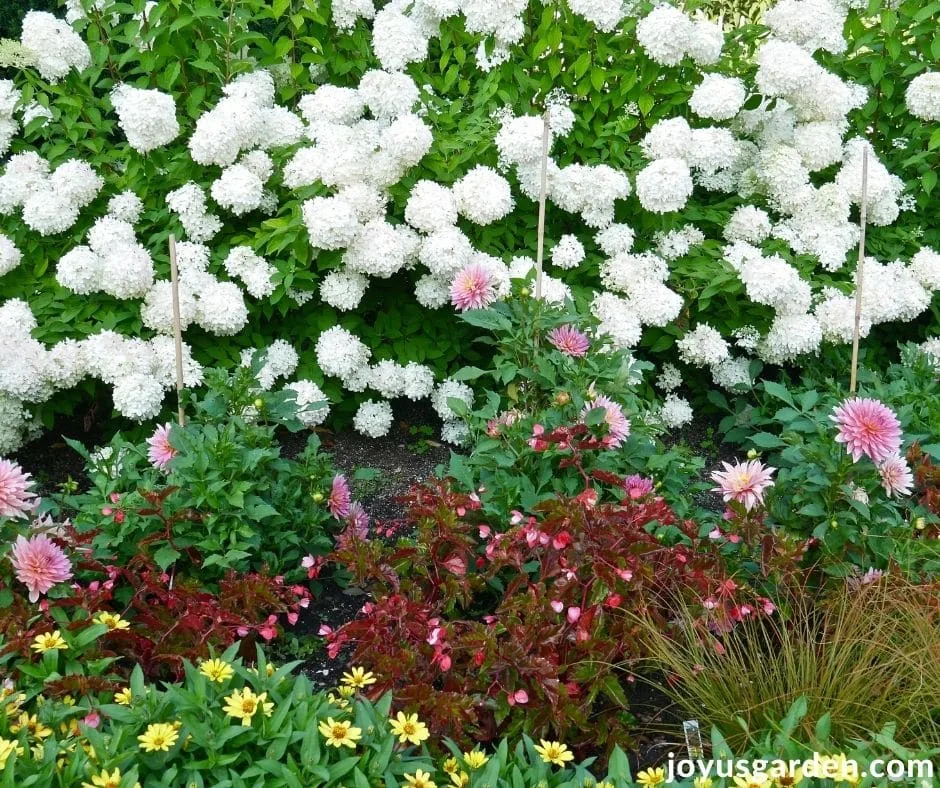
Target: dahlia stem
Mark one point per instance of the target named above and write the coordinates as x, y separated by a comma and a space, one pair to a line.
860, 269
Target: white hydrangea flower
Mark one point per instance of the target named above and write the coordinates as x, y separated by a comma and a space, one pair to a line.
312, 404
57, 49
615, 239
718, 97
455, 432
923, 96
664, 185
256, 272
381, 249
666, 35
450, 389
222, 309
147, 117
373, 419
618, 320
813, 24
432, 291
340, 353
238, 190
331, 222
924, 265
568, 252
10, 256
126, 207
430, 207
732, 374
675, 411
483, 195
397, 40
703, 346
669, 378
748, 223
343, 290
138, 396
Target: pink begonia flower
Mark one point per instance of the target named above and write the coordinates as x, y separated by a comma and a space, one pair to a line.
557, 605
519, 697
868, 427
16, 499
744, 482
39, 564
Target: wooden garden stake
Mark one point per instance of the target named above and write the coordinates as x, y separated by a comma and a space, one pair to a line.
860, 270
177, 330
543, 190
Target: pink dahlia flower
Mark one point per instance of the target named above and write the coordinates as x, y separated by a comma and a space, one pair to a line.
16, 499
618, 426
896, 476
473, 288
569, 341
867, 427
358, 520
39, 564
637, 486
340, 497
744, 482
161, 452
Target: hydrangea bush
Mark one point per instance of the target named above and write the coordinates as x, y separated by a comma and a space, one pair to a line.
342, 181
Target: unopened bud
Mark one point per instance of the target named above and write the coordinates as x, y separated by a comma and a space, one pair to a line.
259, 403
525, 292
752, 454
562, 398
317, 497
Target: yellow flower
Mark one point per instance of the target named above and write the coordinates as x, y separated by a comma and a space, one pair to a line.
451, 766
789, 778
358, 678
112, 621
341, 703
158, 737
49, 641
340, 734
409, 729
216, 670
420, 779
346, 692
605, 784
758, 780
32, 725
105, 780
650, 778
702, 782
68, 700
846, 771
124, 697
554, 752
475, 759
460, 780
7, 748
244, 703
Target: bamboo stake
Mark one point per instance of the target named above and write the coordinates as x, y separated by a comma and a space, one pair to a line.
543, 190
177, 330
860, 270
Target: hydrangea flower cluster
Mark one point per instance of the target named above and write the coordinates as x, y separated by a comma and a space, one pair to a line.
56, 48
147, 117
50, 200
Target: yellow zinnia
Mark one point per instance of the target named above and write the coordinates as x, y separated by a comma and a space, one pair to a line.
409, 729
49, 641
7, 748
359, 678
758, 780
112, 621
554, 752
124, 697
420, 779
460, 780
340, 734
32, 725
650, 778
159, 737
451, 766
105, 780
702, 782
244, 703
475, 759
341, 703
216, 670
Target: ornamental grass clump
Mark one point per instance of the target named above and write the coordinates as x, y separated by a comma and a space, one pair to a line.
863, 652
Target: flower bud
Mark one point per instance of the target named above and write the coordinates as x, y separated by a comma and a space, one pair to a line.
259, 403
752, 454
317, 497
920, 523
562, 398
525, 292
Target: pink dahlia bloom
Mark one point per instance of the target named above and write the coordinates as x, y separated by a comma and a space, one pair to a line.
358, 520
637, 486
618, 426
744, 482
39, 564
16, 499
569, 341
473, 288
896, 476
867, 427
161, 452
340, 497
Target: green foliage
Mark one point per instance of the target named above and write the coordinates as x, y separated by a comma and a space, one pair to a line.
819, 491
227, 500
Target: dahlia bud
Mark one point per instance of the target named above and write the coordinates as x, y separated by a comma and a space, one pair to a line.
920, 523
525, 292
752, 454
317, 497
259, 403
562, 398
